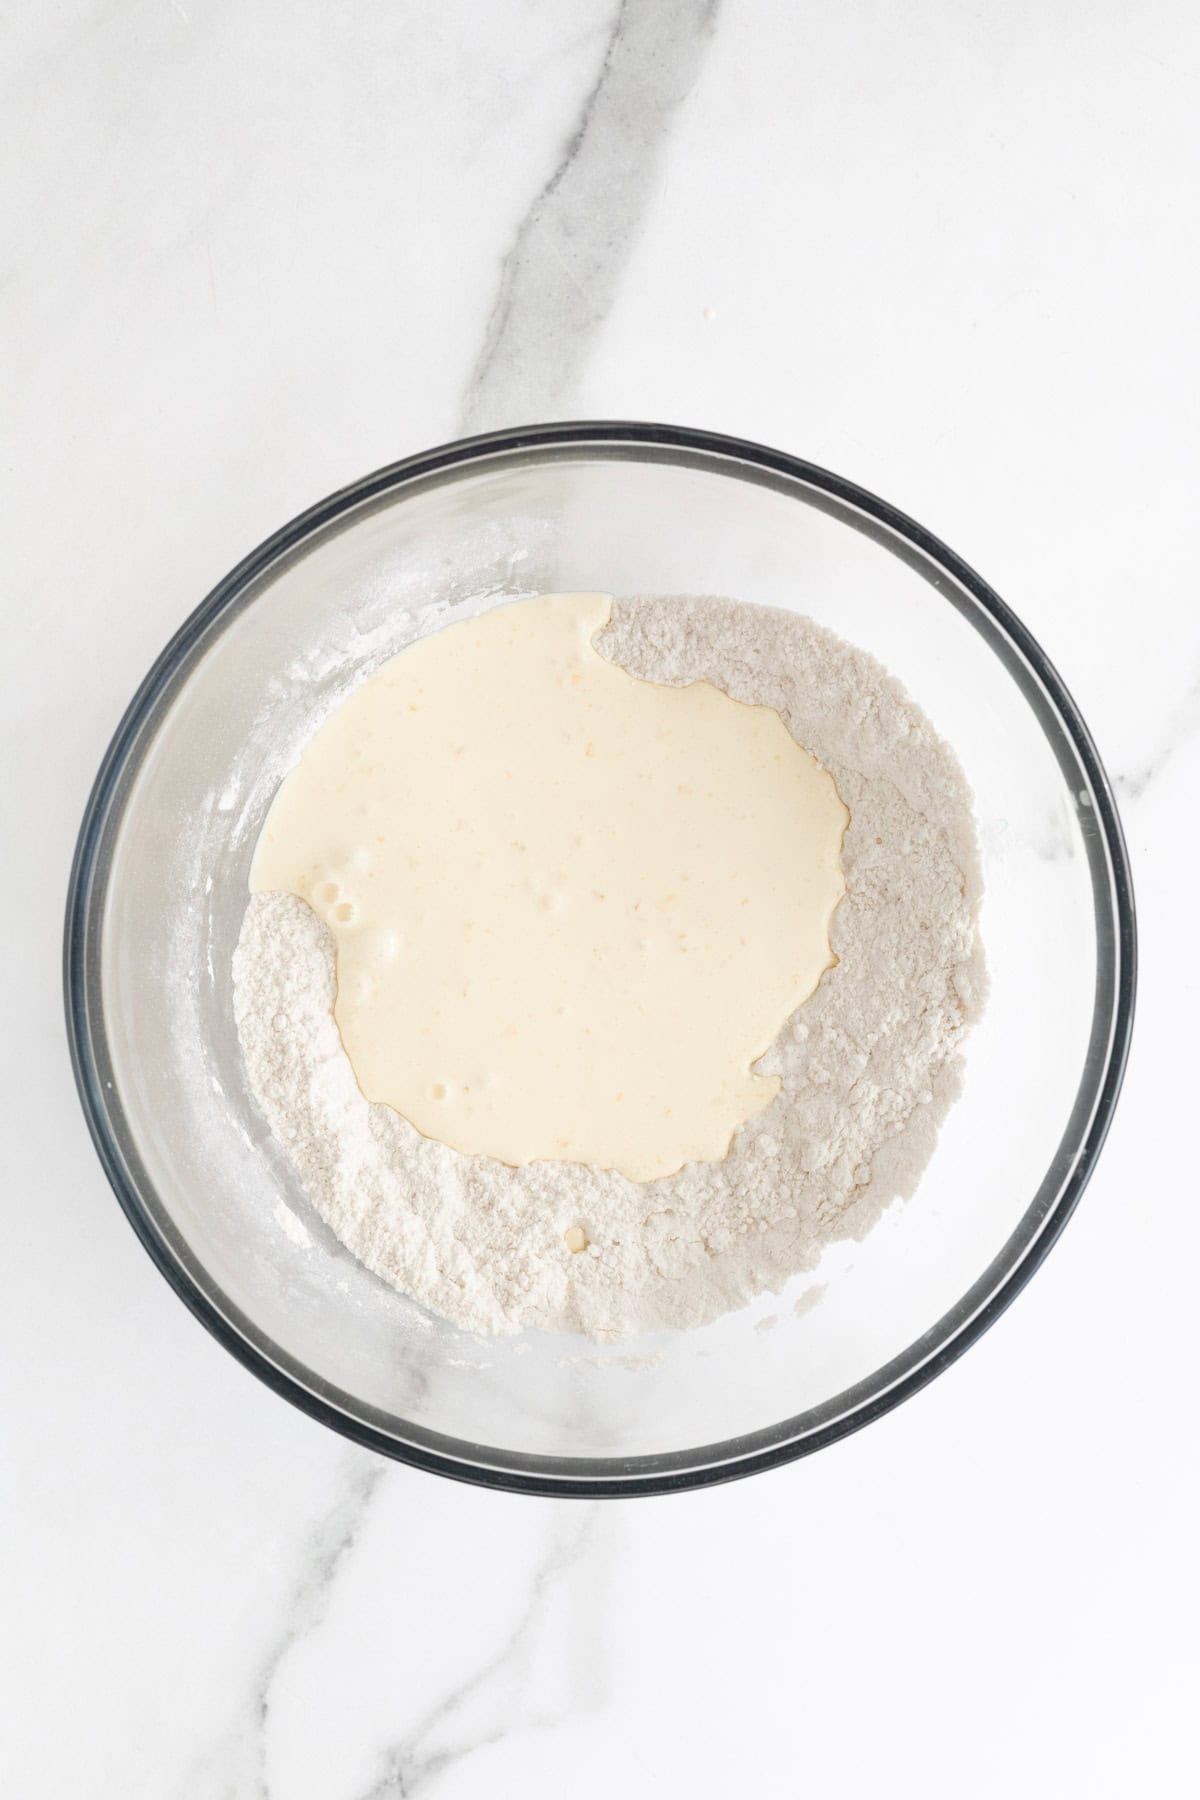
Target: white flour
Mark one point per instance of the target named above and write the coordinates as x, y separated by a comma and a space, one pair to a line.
868, 1065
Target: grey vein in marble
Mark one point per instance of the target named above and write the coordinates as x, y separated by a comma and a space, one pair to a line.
1181, 724
416, 1759
559, 278
238, 1764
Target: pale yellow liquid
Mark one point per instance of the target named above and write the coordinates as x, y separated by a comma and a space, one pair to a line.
572, 908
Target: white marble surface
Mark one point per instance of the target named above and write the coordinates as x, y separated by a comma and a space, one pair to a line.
252, 251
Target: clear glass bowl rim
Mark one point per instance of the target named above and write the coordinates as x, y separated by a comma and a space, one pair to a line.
943, 1342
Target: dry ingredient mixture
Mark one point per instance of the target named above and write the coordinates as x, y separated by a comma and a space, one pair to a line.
867, 1066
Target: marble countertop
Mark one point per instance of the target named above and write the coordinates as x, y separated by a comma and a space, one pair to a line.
254, 251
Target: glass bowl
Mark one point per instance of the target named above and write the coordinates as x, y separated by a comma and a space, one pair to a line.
160, 882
